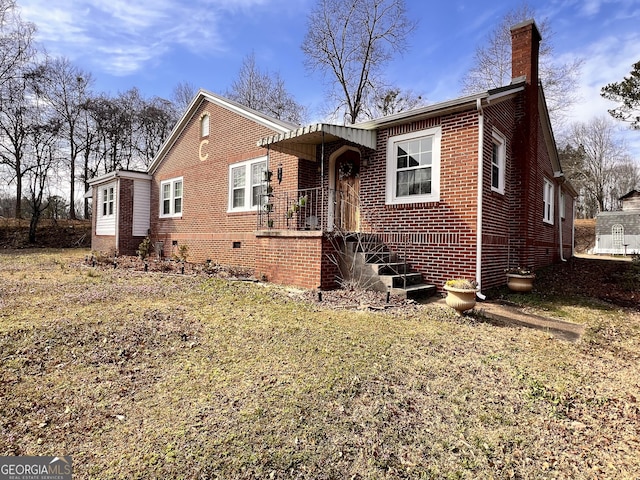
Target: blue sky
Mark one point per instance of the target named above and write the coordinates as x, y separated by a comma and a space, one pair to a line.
154, 44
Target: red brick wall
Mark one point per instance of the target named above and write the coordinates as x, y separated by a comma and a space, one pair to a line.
205, 226
300, 259
127, 243
499, 211
440, 237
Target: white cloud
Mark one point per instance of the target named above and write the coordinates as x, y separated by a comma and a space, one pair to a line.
124, 35
608, 59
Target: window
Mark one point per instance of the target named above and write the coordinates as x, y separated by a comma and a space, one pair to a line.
498, 155
171, 198
562, 206
204, 125
617, 234
246, 184
413, 167
108, 201
548, 202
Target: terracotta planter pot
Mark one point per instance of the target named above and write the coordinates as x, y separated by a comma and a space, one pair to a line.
460, 299
520, 283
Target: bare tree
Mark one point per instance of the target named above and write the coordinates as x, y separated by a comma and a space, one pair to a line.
16, 54
90, 156
265, 92
114, 120
15, 114
43, 158
598, 154
183, 93
67, 88
627, 93
626, 177
492, 64
155, 120
16, 41
394, 100
350, 41
124, 132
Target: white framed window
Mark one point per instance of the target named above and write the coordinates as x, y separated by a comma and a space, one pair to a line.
204, 125
171, 193
247, 184
562, 206
498, 158
108, 201
547, 201
617, 234
413, 167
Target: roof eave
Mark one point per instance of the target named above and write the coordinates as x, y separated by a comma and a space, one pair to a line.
202, 95
133, 174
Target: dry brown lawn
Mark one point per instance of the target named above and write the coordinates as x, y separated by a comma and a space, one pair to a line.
151, 375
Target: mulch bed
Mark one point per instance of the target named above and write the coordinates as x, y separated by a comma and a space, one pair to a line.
614, 281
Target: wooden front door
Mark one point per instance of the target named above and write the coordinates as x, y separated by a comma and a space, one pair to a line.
347, 205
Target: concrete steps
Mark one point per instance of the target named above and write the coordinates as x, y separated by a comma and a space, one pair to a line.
379, 269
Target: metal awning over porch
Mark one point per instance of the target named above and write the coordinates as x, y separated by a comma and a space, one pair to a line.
302, 142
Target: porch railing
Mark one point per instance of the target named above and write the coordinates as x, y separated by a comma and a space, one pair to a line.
293, 210
310, 209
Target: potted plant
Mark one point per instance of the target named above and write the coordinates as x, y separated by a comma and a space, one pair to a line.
520, 279
461, 294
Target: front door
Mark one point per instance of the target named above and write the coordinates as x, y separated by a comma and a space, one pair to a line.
347, 204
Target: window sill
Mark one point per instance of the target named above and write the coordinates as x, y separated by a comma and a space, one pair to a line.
242, 212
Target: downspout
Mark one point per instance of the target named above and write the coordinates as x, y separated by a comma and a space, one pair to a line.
479, 209
573, 226
264, 200
562, 259
117, 209
322, 198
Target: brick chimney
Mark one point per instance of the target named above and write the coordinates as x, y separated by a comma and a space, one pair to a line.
525, 48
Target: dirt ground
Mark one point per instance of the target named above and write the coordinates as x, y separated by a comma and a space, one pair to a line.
50, 233
615, 281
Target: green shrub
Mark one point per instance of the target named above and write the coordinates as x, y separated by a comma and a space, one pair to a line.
144, 249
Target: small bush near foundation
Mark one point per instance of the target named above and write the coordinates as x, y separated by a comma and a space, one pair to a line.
145, 248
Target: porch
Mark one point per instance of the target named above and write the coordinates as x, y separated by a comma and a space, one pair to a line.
310, 209
316, 238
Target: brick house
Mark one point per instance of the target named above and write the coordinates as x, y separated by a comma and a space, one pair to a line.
462, 188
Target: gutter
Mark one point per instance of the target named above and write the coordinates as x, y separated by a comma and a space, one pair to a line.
560, 178
479, 209
573, 227
562, 259
117, 209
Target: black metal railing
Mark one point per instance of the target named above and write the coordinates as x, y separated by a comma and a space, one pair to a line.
310, 209
293, 210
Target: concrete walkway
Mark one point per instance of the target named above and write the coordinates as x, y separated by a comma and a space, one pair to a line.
504, 315
508, 315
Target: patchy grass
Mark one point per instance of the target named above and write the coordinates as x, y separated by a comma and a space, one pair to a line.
165, 376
